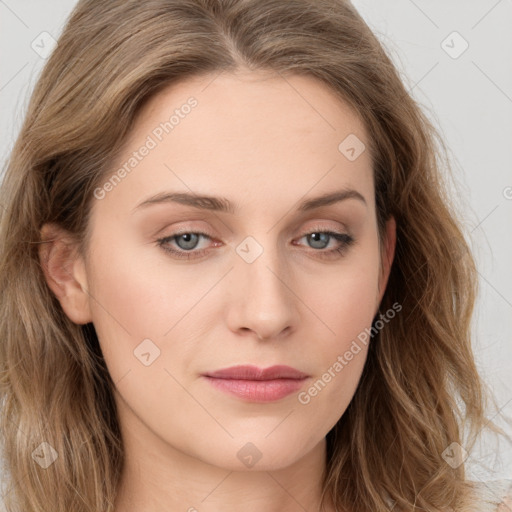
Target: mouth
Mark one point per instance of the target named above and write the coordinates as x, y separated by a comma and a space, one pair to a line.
257, 385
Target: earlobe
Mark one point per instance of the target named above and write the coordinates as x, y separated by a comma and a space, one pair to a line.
64, 272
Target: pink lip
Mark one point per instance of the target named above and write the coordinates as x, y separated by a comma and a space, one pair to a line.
255, 384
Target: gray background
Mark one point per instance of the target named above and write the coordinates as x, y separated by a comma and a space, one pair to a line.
469, 98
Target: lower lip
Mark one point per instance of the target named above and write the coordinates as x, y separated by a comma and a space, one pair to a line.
258, 390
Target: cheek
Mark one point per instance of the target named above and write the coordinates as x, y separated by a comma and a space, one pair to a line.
130, 302
345, 301
346, 306
148, 305
142, 293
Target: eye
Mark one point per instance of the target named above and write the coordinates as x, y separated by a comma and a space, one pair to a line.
319, 239
186, 241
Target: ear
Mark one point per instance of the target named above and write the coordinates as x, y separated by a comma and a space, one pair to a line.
387, 256
65, 273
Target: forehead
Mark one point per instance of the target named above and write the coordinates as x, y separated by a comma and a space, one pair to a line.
241, 104
251, 136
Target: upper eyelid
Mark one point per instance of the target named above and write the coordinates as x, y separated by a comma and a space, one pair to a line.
341, 227
205, 234
308, 231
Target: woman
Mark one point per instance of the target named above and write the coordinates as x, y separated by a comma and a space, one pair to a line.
232, 280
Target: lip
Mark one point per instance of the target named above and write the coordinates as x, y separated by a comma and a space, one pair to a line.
255, 384
249, 372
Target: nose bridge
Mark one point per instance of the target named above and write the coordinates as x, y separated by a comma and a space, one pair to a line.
262, 300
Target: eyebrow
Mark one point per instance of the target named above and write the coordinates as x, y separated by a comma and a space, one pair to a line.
222, 204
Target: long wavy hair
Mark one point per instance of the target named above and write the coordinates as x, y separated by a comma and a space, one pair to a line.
419, 391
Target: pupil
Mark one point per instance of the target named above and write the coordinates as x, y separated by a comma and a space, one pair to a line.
188, 239
317, 238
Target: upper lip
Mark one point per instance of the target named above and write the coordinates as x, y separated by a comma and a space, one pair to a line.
249, 372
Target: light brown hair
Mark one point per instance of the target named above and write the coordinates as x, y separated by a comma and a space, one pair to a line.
420, 388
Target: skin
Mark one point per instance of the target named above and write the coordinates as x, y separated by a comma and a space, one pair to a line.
265, 143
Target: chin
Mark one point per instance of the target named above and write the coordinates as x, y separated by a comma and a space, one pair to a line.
259, 454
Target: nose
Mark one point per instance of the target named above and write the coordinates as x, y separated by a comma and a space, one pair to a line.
262, 302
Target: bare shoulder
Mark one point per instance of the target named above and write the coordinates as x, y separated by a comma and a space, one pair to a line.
506, 504
496, 495
505, 496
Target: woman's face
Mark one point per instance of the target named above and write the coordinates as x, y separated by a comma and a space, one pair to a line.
249, 282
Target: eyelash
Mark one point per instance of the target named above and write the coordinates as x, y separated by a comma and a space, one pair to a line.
345, 240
